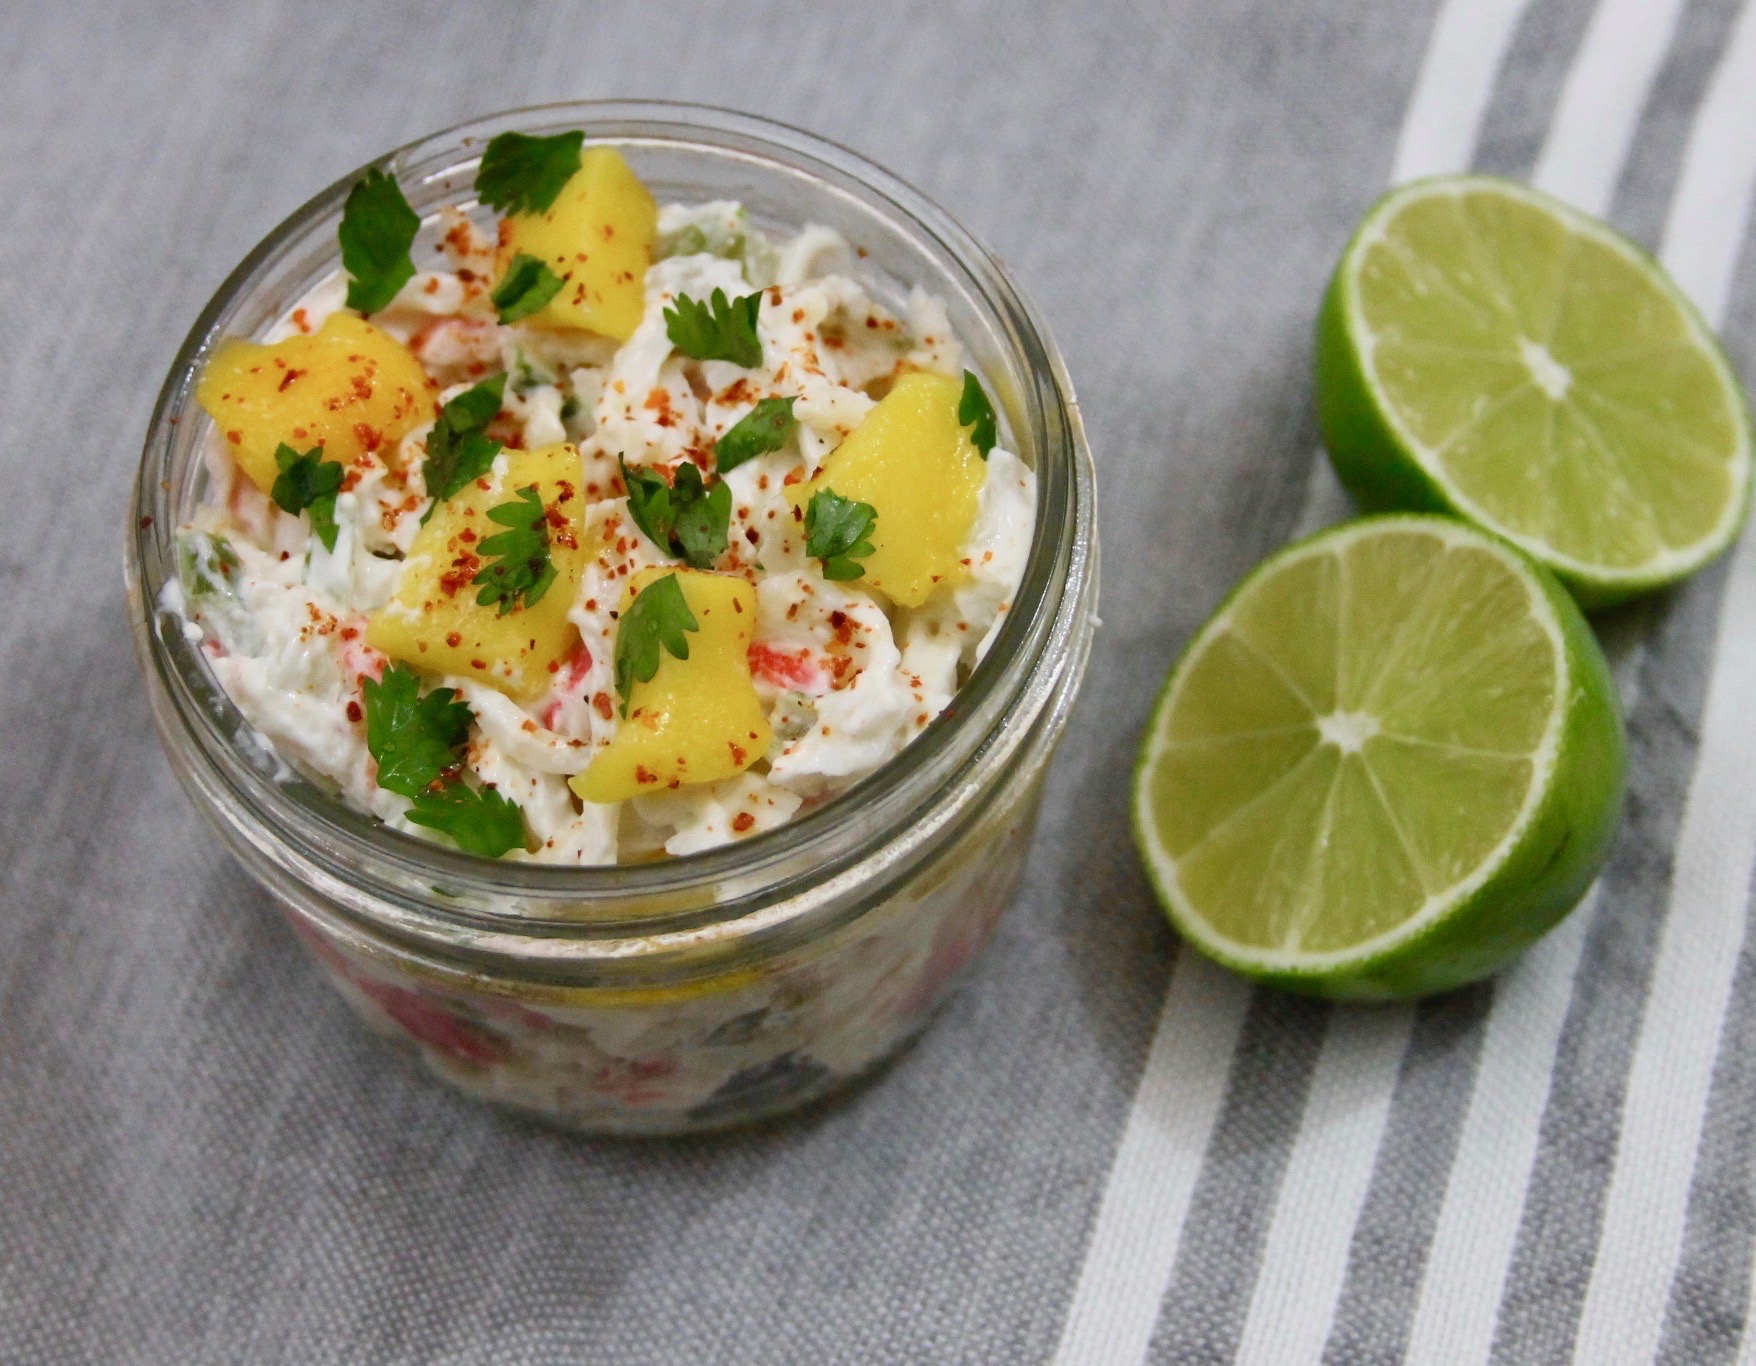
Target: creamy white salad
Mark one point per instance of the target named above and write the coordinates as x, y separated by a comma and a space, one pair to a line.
624, 532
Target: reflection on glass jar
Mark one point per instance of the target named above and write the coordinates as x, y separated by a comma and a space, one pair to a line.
739, 1045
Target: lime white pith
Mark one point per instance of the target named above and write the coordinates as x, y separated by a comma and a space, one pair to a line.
1410, 662
1547, 379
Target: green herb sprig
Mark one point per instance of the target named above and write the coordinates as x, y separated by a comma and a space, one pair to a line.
308, 483
478, 820
973, 408
521, 570
207, 565
377, 229
527, 285
688, 520
718, 329
457, 452
524, 174
835, 532
415, 740
764, 428
657, 620
418, 744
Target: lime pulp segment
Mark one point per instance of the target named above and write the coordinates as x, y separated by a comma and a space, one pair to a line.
1543, 376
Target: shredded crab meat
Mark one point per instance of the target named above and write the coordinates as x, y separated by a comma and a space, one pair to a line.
844, 678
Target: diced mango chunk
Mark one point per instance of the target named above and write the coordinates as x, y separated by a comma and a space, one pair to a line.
914, 462
698, 719
348, 387
598, 237
433, 620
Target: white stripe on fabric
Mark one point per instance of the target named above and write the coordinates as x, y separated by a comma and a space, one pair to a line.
1444, 116
1711, 210
1134, 1244
1476, 1234
1132, 1252
1306, 1257
1608, 93
1606, 89
1439, 132
1477, 1229
1672, 1073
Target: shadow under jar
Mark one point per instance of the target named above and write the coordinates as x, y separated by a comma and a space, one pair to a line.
720, 987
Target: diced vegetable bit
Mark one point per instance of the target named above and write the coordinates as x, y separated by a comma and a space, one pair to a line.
720, 229
434, 620
349, 388
207, 565
912, 461
597, 236
694, 719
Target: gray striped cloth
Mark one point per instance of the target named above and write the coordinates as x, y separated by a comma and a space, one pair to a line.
1107, 1151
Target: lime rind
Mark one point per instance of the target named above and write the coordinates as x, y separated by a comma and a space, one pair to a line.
1363, 424
1530, 879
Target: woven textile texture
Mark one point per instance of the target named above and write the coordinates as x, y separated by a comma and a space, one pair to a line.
1105, 1151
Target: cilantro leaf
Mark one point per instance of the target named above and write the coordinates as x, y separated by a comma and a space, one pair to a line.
764, 428
457, 452
687, 520
418, 744
657, 620
524, 174
716, 330
835, 532
377, 229
703, 518
308, 482
649, 502
479, 820
974, 408
415, 740
527, 285
521, 568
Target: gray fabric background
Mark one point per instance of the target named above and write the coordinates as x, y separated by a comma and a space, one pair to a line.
203, 1159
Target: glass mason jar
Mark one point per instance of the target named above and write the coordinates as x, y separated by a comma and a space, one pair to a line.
694, 992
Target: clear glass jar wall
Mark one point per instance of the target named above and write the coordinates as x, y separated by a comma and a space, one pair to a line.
724, 986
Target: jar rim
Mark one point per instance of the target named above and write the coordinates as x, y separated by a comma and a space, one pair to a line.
308, 825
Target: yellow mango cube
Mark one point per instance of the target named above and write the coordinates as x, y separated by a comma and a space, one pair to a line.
433, 620
349, 387
598, 237
914, 462
697, 720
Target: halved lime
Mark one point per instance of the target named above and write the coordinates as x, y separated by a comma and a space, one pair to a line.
1387, 763
1486, 350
